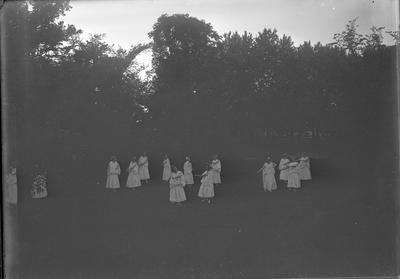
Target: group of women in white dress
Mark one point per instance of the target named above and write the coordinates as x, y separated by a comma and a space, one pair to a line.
292, 172
139, 172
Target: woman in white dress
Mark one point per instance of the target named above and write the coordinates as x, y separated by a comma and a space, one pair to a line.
176, 184
216, 170
293, 175
113, 170
283, 168
304, 166
206, 191
39, 186
166, 169
11, 191
188, 172
268, 175
144, 168
133, 180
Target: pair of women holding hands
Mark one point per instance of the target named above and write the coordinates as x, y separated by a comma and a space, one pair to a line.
179, 180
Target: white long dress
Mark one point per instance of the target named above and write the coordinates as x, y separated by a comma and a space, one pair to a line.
268, 175
133, 180
283, 174
144, 168
216, 171
207, 187
294, 177
166, 170
11, 193
304, 166
176, 184
113, 171
188, 173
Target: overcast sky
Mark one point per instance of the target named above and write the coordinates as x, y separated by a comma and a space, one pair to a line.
127, 22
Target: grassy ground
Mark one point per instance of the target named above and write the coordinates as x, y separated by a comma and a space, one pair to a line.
328, 228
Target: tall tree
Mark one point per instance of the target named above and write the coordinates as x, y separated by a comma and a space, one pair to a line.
31, 33
350, 40
184, 61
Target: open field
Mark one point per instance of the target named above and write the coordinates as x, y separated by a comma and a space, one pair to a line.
330, 227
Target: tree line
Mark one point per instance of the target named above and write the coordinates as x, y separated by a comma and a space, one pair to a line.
206, 92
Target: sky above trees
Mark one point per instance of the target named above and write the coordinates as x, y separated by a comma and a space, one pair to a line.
127, 22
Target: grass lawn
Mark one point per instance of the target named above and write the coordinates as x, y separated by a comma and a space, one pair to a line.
328, 228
